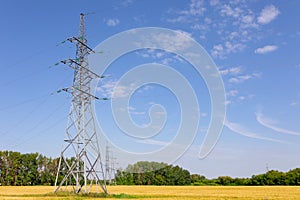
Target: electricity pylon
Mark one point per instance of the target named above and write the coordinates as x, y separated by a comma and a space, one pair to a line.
110, 170
80, 166
113, 171
107, 165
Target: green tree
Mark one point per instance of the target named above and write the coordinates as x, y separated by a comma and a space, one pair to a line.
293, 177
153, 173
225, 180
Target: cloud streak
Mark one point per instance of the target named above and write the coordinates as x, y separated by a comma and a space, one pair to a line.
268, 123
237, 128
240, 79
153, 142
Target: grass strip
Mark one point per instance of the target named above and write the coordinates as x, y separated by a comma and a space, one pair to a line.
81, 195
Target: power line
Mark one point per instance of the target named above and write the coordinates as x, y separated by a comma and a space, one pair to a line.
14, 105
34, 72
44, 98
32, 56
45, 119
26, 117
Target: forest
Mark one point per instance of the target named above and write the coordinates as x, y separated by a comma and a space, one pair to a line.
17, 169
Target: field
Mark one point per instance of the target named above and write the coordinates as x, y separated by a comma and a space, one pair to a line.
161, 192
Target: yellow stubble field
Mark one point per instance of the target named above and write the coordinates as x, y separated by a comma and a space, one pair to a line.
160, 192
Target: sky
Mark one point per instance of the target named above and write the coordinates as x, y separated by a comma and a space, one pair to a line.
254, 45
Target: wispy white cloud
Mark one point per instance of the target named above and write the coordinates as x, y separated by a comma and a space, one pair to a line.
159, 56
231, 71
222, 50
218, 51
112, 89
237, 128
126, 3
294, 103
242, 98
233, 47
123, 4
153, 142
151, 53
178, 40
247, 23
236, 75
270, 124
112, 22
234, 21
240, 79
266, 49
132, 110
243, 78
214, 2
179, 19
238, 15
233, 76
203, 114
226, 10
196, 7
232, 93
247, 19
235, 96
268, 14
228, 102
137, 113
233, 13
200, 27
167, 61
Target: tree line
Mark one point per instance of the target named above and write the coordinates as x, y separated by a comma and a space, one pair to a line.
35, 169
18, 169
26, 169
153, 173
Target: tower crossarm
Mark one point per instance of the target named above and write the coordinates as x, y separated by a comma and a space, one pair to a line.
75, 39
70, 90
70, 63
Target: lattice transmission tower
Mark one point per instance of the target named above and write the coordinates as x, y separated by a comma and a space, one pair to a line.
80, 167
110, 167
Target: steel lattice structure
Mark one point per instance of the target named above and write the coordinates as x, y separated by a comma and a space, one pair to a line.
110, 170
80, 166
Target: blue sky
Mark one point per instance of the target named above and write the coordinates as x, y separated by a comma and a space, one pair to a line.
255, 45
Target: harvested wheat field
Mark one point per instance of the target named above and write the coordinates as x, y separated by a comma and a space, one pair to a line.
160, 192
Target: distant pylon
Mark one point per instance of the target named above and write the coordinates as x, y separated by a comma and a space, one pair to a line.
110, 170
80, 166
113, 171
107, 165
